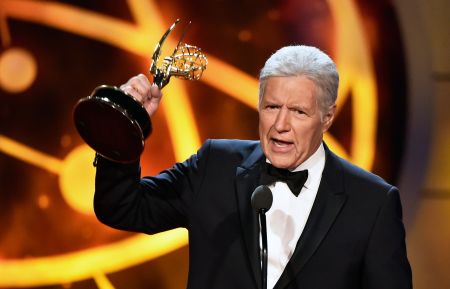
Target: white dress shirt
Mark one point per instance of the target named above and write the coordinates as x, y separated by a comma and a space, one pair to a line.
288, 215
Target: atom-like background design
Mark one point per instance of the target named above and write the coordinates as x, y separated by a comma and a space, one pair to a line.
55, 52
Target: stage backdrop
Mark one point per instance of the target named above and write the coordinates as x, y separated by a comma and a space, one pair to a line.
55, 52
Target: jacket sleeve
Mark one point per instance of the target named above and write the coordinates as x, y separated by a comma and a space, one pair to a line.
125, 201
386, 262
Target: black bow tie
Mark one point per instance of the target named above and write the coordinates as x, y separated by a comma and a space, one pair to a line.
294, 180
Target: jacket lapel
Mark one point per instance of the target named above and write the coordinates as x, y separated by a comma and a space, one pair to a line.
247, 176
329, 200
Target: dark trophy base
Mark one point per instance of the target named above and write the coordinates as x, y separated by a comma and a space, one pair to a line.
113, 123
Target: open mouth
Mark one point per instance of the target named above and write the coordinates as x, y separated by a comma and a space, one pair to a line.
281, 144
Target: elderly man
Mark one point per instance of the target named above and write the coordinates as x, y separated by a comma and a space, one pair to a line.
340, 229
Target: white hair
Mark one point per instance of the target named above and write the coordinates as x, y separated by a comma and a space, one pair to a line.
308, 61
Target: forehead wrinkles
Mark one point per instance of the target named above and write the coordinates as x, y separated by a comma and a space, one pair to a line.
292, 100
299, 90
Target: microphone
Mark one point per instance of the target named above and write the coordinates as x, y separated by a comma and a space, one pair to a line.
262, 198
261, 202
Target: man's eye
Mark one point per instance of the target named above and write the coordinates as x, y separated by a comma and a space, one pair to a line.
297, 111
271, 106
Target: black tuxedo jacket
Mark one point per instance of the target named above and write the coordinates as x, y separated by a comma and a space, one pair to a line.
354, 237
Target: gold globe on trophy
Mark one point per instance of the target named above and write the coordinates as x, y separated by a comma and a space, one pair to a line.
114, 123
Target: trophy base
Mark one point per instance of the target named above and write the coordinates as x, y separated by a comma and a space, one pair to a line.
113, 123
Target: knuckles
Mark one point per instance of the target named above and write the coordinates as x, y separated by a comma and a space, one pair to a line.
141, 89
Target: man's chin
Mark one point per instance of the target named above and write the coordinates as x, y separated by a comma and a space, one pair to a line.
282, 163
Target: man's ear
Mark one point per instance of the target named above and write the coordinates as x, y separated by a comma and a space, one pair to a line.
328, 118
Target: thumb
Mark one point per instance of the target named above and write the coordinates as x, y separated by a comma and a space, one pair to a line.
153, 99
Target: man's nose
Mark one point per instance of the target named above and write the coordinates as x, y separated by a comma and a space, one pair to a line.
282, 121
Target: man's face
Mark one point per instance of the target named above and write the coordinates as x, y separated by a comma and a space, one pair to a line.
290, 124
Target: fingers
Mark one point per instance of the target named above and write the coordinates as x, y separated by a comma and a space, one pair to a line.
142, 84
138, 87
155, 92
142, 90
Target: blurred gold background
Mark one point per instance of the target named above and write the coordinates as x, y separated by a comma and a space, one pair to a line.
393, 101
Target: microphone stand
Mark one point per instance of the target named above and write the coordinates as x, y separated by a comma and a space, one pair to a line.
262, 221
261, 202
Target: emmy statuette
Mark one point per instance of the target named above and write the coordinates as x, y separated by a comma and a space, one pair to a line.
115, 124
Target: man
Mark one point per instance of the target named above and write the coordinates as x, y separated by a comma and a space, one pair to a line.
341, 229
